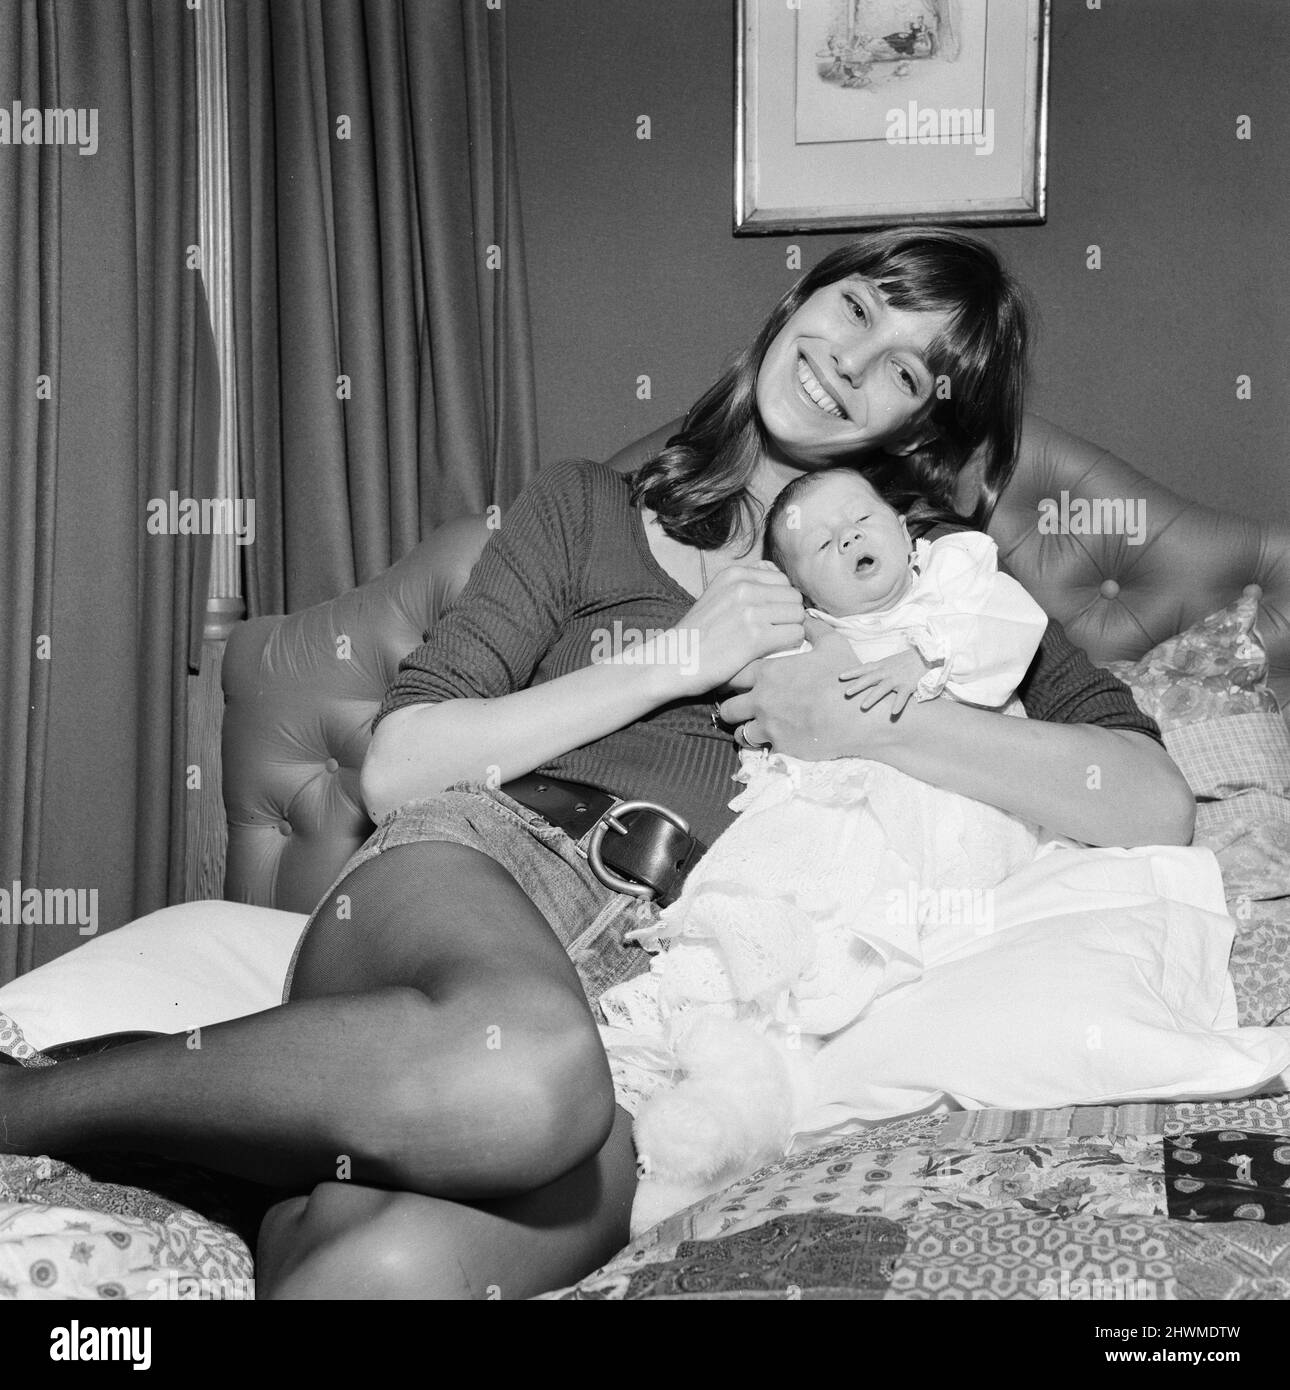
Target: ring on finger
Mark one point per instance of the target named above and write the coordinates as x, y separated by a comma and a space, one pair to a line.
744, 741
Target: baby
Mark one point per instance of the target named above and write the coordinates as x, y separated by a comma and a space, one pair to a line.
815, 899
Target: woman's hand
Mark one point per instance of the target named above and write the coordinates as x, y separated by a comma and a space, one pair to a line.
747, 612
1102, 786
798, 705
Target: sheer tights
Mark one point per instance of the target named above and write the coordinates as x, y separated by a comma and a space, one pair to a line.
355, 1242
437, 1042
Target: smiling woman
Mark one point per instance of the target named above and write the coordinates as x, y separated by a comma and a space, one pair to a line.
910, 341
848, 354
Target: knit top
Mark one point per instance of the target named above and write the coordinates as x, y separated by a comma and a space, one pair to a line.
569, 575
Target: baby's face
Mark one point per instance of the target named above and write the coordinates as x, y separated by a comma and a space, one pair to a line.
845, 548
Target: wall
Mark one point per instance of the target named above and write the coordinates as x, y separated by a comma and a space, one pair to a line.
633, 268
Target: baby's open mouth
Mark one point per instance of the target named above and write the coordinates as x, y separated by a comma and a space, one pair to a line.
865, 563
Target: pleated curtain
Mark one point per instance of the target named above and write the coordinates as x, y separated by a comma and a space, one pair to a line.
107, 401
383, 357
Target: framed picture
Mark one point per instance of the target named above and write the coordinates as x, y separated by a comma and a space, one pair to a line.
860, 113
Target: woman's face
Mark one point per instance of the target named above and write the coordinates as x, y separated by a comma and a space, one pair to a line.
847, 372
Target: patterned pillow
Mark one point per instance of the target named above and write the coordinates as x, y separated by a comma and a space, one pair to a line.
1239, 771
1215, 668
1260, 964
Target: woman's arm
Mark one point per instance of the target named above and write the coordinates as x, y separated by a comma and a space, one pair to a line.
1104, 786
745, 613
421, 749
1100, 786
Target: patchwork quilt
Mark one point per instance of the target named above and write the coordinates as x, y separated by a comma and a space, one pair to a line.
1151, 1202
67, 1235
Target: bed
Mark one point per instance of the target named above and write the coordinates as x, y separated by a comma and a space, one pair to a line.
1155, 1200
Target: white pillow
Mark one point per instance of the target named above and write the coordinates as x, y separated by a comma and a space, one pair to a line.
182, 967
1099, 976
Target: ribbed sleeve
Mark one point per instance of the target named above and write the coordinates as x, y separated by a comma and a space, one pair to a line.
1064, 687
491, 640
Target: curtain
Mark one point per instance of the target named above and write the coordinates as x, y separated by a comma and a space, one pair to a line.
108, 404
384, 375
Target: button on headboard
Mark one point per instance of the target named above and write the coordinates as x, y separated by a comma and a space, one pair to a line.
301, 690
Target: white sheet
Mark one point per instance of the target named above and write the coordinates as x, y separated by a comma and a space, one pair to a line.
1097, 976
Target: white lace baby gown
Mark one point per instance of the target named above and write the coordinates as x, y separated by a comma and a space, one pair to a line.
816, 898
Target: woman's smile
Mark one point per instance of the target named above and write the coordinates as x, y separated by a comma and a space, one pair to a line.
815, 390
846, 371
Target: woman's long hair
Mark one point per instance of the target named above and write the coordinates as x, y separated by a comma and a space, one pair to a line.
697, 485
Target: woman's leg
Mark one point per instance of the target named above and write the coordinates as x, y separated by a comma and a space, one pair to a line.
439, 1042
352, 1242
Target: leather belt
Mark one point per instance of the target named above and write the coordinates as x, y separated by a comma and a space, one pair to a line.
634, 847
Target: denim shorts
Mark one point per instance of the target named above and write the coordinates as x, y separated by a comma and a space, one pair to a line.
549, 867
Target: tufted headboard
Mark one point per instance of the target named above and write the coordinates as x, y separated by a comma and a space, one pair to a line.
300, 691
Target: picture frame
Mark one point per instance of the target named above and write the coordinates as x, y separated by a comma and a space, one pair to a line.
840, 127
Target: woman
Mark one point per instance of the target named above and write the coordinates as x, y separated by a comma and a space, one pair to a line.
437, 1059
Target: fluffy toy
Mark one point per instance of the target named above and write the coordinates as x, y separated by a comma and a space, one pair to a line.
731, 1111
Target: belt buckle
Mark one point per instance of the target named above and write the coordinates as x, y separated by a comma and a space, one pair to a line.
609, 821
